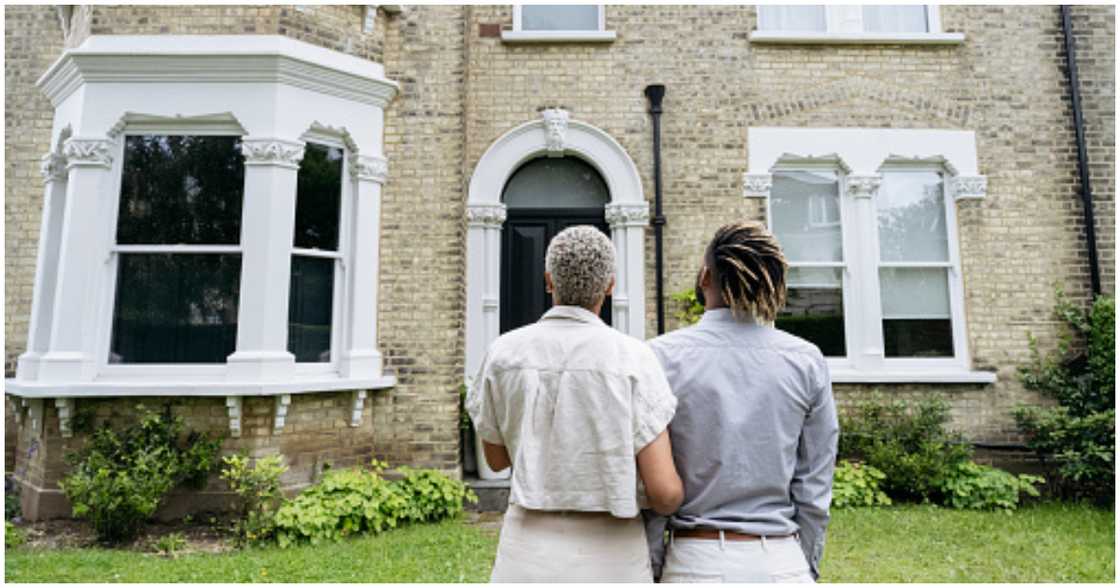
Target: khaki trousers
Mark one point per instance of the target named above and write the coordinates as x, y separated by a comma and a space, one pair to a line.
709, 560
541, 546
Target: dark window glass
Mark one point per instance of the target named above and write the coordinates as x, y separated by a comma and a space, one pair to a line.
918, 337
556, 182
814, 309
175, 308
181, 189
310, 304
319, 198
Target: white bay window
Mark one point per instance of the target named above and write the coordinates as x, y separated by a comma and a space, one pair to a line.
870, 236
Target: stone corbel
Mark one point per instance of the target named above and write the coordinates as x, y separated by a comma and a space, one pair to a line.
53, 167
88, 152
627, 215
863, 185
233, 407
556, 130
757, 185
369, 168
486, 215
65, 407
968, 187
35, 415
357, 404
282, 403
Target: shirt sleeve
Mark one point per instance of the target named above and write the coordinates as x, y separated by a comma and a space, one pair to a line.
811, 489
653, 402
480, 404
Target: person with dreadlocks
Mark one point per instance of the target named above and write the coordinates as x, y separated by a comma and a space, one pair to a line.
755, 434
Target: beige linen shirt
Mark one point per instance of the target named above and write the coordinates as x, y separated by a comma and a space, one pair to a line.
573, 401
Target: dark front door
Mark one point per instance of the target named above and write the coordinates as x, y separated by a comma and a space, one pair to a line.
525, 238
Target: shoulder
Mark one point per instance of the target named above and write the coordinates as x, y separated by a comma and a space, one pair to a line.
793, 344
690, 335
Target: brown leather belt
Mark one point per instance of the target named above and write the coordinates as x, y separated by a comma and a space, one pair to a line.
727, 535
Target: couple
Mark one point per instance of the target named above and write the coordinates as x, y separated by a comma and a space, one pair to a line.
726, 429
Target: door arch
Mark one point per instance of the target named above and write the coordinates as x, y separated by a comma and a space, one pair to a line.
627, 215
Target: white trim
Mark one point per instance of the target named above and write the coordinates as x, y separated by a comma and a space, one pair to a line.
915, 376
627, 212
102, 389
807, 38
520, 35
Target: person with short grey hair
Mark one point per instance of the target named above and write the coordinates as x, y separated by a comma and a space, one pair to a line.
579, 410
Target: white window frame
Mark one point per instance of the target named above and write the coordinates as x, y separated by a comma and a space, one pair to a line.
520, 35
856, 156
844, 25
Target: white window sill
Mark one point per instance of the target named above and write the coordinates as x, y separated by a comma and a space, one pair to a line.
932, 376
810, 38
558, 36
168, 387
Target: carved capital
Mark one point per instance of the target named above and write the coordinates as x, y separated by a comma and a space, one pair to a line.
757, 185
53, 167
556, 130
486, 215
370, 169
272, 152
627, 215
863, 186
88, 152
968, 187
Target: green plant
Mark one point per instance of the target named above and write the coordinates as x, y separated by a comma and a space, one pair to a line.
856, 484
464, 417
171, 544
258, 491
908, 442
119, 479
689, 309
351, 501
13, 508
13, 535
1079, 434
973, 486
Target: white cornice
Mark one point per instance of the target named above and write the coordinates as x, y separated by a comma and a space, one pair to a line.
216, 59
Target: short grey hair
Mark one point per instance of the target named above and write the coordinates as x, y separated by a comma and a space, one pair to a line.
581, 261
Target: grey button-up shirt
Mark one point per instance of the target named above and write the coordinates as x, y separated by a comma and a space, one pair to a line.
755, 433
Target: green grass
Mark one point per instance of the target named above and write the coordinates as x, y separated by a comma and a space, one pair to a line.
1046, 543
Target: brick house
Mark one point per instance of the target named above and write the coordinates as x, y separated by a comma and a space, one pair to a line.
300, 226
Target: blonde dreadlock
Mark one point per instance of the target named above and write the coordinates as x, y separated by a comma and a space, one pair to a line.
749, 270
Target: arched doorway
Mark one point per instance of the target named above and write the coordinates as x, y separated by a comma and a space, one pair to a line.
543, 197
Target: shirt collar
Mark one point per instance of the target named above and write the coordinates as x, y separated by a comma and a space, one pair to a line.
575, 313
724, 316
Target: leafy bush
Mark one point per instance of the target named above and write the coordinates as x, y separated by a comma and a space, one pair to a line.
855, 484
1079, 434
980, 487
13, 508
119, 479
171, 544
689, 309
907, 442
13, 535
258, 492
354, 500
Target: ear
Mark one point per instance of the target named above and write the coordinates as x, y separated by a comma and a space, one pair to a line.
548, 282
705, 278
610, 287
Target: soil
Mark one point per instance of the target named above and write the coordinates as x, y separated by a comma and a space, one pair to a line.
200, 537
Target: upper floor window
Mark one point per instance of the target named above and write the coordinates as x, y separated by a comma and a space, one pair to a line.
537, 23
910, 23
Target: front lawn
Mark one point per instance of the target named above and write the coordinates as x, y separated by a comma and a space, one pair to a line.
1046, 543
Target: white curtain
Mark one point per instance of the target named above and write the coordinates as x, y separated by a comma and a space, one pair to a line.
792, 18
895, 19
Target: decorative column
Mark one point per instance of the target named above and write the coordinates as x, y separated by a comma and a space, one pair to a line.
268, 224
862, 188
360, 357
484, 241
53, 168
628, 222
69, 356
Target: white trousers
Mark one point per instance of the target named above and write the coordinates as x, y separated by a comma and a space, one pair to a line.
541, 546
712, 560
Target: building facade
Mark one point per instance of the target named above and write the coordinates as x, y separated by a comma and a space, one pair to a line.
918, 164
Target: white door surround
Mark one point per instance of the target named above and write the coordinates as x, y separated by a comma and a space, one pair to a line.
553, 135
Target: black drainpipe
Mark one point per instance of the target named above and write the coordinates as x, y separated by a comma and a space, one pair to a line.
1082, 157
655, 92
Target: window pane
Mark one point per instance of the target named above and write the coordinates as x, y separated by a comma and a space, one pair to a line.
916, 316
805, 211
556, 182
911, 211
310, 304
895, 19
791, 18
319, 198
178, 308
814, 308
181, 189
560, 17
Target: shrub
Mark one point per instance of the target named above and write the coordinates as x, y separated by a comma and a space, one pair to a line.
689, 309
907, 442
978, 487
258, 492
171, 544
855, 484
119, 479
1078, 435
13, 508
354, 500
13, 535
